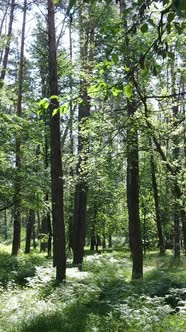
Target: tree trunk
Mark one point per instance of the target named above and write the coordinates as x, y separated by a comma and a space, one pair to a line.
6, 226
157, 206
81, 190
110, 241
135, 238
59, 253
133, 197
29, 230
17, 205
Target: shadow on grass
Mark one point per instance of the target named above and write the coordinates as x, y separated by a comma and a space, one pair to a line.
16, 269
73, 318
170, 273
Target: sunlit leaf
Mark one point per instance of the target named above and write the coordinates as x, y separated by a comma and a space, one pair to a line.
128, 90
55, 111
115, 91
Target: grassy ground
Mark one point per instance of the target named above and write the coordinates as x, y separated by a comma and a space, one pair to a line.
99, 298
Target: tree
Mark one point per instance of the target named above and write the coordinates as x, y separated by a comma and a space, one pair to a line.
17, 205
59, 255
81, 190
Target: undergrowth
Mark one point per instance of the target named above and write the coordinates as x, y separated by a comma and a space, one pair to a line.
99, 298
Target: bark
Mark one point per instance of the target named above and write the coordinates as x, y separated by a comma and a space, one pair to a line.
157, 206
17, 205
29, 230
59, 253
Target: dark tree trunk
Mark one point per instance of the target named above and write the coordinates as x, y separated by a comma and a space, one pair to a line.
29, 230
17, 229
17, 205
183, 222
135, 239
92, 237
6, 226
59, 253
49, 244
71, 198
98, 242
177, 215
103, 242
79, 227
110, 241
44, 234
176, 191
157, 206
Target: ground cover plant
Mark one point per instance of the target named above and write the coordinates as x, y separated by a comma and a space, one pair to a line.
100, 297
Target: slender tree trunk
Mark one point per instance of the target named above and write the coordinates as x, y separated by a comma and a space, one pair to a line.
17, 205
71, 196
6, 225
92, 238
29, 230
110, 241
59, 254
177, 194
183, 210
81, 189
135, 239
7, 48
157, 206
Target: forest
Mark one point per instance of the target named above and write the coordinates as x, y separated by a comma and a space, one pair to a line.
92, 166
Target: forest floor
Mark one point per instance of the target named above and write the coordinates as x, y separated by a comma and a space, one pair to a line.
99, 298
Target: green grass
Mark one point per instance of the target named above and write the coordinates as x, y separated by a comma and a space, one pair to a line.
99, 298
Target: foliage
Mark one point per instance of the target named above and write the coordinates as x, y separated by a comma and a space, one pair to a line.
100, 297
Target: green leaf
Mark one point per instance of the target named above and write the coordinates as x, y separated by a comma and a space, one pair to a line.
44, 103
92, 89
144, 28
55, 111
101, 72
54, 97
128, 90
115, 91
64, 108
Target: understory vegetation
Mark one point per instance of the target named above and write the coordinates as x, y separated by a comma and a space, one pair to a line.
100, 297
